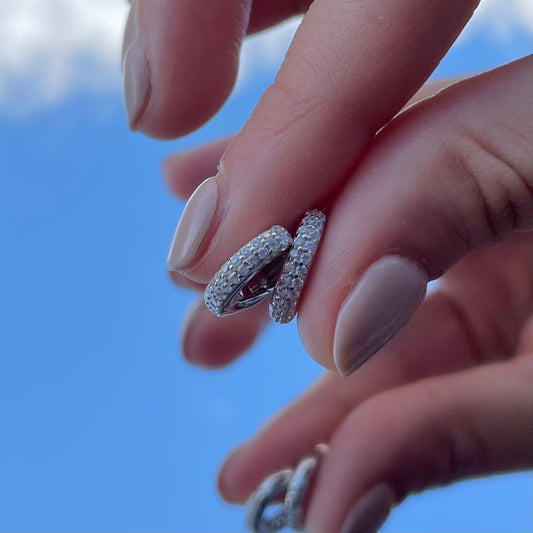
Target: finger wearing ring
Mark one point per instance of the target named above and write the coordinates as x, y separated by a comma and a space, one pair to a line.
284, 302
249, 276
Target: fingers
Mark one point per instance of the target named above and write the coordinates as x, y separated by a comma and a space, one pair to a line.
210, 342
458, 326
184, 61
180, 62
449, 176
350, 68
183, 172
427, 434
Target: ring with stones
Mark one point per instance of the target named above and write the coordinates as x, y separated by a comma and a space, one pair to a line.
249, 276
280, 499
270, 264
284, 302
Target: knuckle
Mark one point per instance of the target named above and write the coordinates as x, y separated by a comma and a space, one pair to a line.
458, 450
498, 168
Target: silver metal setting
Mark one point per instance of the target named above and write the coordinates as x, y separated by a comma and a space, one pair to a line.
269, 493
280, 499
284, 302
249, 276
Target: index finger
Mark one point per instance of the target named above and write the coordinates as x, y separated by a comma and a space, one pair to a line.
352, 65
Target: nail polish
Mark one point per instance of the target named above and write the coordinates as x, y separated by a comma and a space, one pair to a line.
381, 303
370, 511
136, 83
193, 225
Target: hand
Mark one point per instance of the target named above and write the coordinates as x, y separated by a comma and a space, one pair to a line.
435, 406
439, 182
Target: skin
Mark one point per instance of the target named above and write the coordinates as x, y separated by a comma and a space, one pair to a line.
447, 181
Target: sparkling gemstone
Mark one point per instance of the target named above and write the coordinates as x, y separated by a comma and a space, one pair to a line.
312, 232
285, 240
283, 291
301, 270
262, 252
290, 267
305, 257
297, 282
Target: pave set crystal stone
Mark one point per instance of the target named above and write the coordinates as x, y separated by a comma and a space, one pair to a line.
237, 271
284, 302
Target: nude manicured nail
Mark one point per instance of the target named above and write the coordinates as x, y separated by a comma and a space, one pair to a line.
381, 303
136, 83
193, 225
370, 511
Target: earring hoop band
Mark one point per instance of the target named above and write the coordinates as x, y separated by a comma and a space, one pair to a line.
284, 302
288, 490
249, 276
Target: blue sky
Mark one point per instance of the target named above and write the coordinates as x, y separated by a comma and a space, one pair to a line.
103, 426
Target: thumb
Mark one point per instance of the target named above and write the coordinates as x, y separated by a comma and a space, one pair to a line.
449, 175
423, 435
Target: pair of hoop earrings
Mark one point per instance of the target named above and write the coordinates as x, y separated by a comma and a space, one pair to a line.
273, 263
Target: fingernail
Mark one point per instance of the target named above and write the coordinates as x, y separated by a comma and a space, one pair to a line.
381, 303
370, 511
193, 225
136, 83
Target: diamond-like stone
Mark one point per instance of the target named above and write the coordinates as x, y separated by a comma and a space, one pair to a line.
243, 269
297, 282
282, 291
262, 252
290, 267
305, 257
312, 232
285, 240
301, 270
284, 280
294, 254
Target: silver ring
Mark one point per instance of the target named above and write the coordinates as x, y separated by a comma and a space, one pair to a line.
279, 500
297, 491
249, 276
284, 302
270, 492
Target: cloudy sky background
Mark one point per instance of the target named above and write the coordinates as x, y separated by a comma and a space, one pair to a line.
53, 48
103, 426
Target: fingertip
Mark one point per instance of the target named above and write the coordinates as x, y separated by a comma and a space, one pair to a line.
185, 171
184, 282
190, 50
226, 481
212, 342
170, 169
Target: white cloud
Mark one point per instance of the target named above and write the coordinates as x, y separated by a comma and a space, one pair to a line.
52, 48
503, 18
